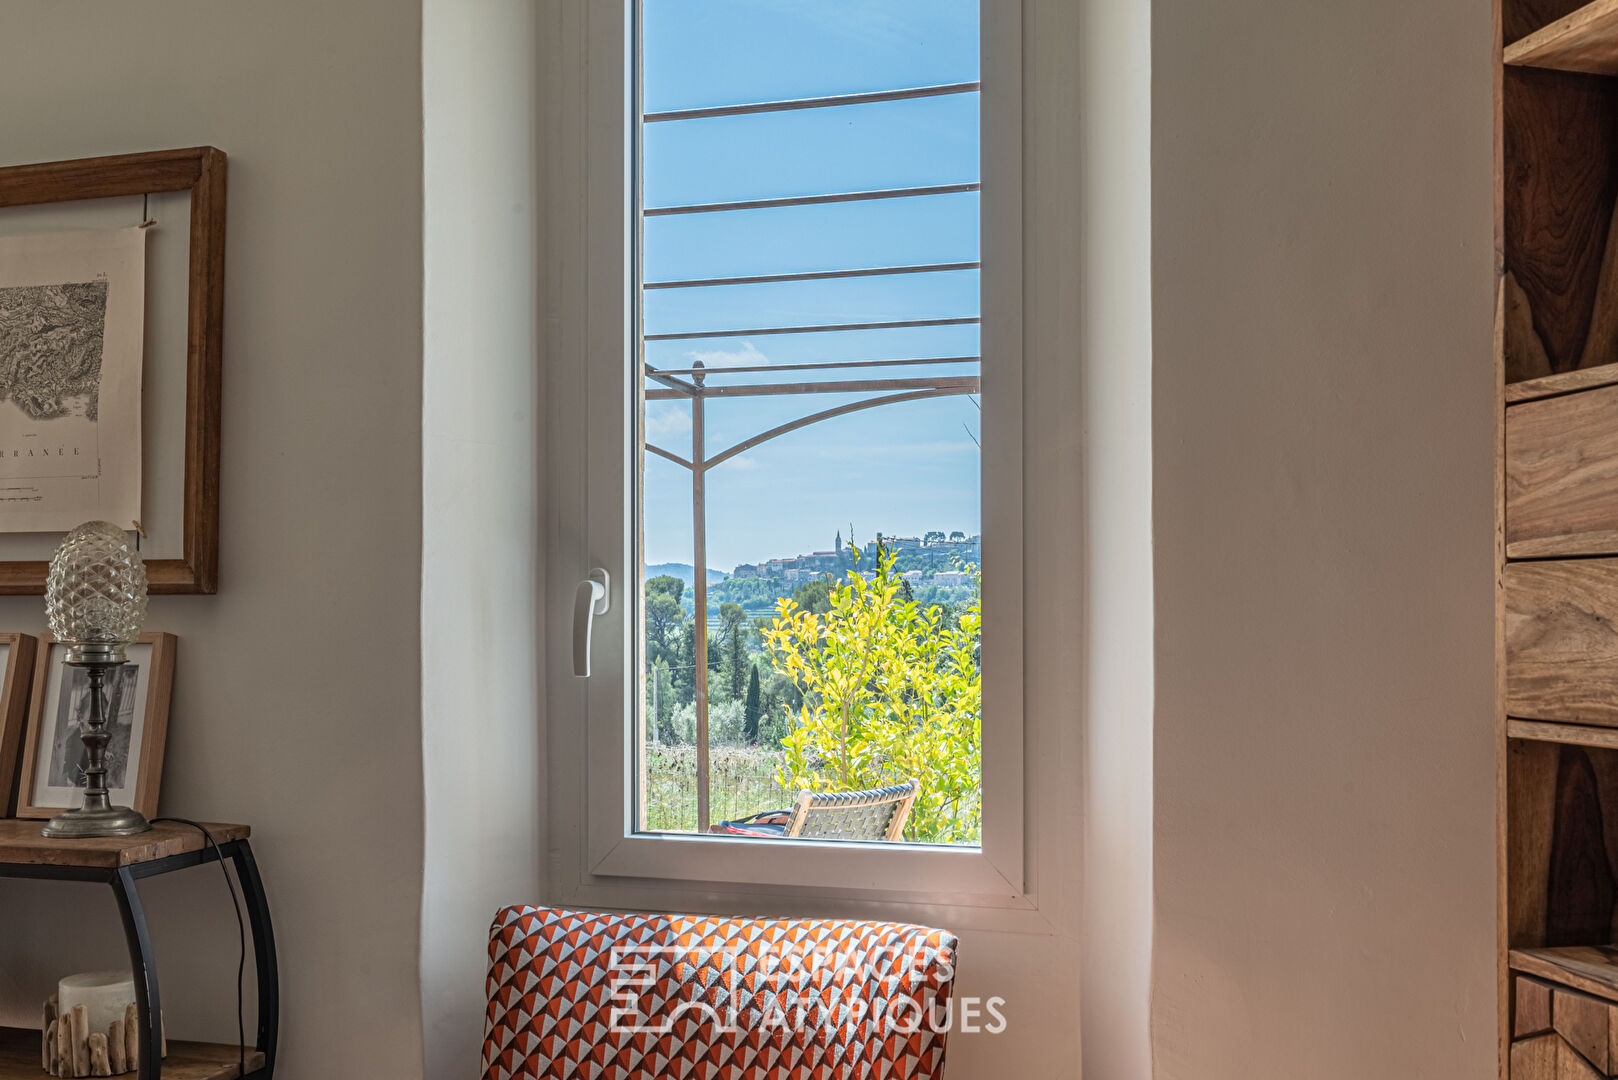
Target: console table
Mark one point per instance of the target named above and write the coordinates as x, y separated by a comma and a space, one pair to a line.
121, 862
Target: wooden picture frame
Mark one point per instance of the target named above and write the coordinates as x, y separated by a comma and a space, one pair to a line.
19, 673
200, 171
153, 736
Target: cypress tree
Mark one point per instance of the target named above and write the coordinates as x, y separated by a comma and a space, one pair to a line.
736, 662
750, 708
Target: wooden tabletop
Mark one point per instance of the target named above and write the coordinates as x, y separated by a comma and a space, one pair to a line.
21, 842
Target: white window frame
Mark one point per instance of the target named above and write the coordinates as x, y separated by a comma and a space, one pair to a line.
593, 391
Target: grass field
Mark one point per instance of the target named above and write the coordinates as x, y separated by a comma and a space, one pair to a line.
741, 781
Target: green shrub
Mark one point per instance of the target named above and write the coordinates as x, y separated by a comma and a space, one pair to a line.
891, 692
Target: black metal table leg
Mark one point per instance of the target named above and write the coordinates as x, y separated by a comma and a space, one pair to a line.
258, 916
148, 1005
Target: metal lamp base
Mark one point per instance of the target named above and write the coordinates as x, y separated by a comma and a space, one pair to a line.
84, 822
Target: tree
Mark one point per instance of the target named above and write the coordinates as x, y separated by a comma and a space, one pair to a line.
731, 617
957, 535
932, 536
813, 596
666, 584
750, 708
664, 614
683, 663
890, 692
663, 617
736, 665
662, 697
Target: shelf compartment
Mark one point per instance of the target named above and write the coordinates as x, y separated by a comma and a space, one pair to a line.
19, 1058
1585, 41
1559, 136
1562, 475
1561, 641
1561, 855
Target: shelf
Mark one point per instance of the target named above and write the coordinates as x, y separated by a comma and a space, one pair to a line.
21, 843
1569, 734
1591, 968
19, 1058
1585, 41
1565, 383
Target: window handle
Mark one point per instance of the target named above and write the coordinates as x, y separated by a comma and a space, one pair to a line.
593, 598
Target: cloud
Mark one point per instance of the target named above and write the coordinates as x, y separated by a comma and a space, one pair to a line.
666, 424
746, 356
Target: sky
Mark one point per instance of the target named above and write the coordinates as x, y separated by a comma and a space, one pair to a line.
899, 469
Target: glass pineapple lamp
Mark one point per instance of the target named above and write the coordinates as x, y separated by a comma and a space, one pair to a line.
95, 602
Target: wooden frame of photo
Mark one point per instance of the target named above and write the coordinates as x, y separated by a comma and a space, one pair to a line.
154, 732
19, 671
199, 170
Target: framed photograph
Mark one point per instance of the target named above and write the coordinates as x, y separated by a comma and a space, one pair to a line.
17, 661
137, 702
122, 261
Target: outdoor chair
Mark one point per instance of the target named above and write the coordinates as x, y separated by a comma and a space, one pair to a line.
877, 814
576, 996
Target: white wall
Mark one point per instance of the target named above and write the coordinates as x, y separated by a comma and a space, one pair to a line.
1322, 443
296, 702
481, 641
1112, 326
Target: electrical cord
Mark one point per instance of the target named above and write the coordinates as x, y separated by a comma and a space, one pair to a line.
241, 934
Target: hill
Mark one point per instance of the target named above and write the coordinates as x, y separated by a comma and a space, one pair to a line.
683, 572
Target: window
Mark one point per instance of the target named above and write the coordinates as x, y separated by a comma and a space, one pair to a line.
810, 432
740, 338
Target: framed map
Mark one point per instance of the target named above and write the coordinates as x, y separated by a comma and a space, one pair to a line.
111, 341
72, 309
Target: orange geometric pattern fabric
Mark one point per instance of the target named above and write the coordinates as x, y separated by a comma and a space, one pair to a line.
577, 996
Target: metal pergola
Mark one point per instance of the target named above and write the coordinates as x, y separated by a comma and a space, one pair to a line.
692, 383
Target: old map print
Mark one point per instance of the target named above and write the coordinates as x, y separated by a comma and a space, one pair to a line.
50, 347
71, 323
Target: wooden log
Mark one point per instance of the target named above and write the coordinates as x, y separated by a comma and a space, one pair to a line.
47, 1036
132, 1035
64, 1045
97, 1047
81, 1040
117, 1055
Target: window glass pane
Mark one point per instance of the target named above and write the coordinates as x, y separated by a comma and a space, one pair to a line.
813, 442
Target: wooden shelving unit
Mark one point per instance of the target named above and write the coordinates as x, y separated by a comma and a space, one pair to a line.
19, 1058
1556, 362
1584, 41
122, 862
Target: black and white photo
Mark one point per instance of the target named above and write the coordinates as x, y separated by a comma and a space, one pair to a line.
135, 705
69, 758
